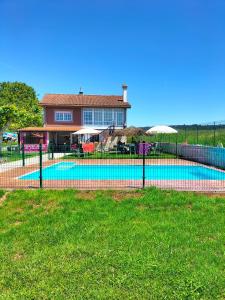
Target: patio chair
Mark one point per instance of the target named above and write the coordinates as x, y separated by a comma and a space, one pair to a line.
88, 148
98, 147
73, 147
79, 152
114, 142
156, 149
123, 139
107, 146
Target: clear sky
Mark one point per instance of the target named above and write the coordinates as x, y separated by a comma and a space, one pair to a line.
171, 53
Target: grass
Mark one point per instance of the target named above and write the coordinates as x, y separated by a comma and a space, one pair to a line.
7, 156
1, 193
99, 155
191, 136
148, 244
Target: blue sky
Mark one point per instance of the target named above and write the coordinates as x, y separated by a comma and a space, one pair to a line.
170, 53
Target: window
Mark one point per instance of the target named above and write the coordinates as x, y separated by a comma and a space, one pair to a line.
108, 117
98, 116
67, 116
119, 117
88, 118
103, 117
63, 116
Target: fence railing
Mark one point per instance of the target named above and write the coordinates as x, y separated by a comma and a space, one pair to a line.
213, 156
165, 165
208, 134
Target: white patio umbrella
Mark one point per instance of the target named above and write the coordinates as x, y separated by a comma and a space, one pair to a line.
161, 129
89, 131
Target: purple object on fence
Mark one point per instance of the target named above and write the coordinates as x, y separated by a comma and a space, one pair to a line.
143, 147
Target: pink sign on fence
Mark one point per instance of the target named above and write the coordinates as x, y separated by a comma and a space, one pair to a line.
34, 147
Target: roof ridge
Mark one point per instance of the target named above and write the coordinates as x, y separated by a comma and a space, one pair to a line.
83, 95
84, 100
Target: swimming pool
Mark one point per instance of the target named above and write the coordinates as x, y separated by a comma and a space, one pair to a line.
73, 171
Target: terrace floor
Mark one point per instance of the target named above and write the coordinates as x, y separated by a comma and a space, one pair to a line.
11, 165
9, 177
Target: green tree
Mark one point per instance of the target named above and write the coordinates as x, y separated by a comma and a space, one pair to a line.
18, 107
7, 115
12, 117
25, 99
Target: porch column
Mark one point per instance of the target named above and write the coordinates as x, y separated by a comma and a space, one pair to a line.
47, 138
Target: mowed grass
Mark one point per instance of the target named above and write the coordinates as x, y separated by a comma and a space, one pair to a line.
1, 193
7, 156
148, 244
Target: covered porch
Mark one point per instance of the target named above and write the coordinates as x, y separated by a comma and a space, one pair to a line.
61, 138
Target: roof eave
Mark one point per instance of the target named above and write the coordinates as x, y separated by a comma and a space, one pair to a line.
84, 105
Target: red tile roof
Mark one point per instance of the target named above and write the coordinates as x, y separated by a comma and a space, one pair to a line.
83, 100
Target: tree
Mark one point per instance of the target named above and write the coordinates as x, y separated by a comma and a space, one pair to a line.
18, 107
25, 100
7, 115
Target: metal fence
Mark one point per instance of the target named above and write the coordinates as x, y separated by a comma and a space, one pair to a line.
208, 134
164, 164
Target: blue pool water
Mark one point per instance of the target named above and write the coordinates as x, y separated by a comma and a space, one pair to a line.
73, 171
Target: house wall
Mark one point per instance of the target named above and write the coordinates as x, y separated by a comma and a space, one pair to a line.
103, 121
50, 116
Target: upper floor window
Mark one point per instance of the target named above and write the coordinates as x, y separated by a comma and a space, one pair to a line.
98, 116
119, 117
88, 117
103, 116
108, 117
63, 116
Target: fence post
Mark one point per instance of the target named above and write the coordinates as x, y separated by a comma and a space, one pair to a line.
101, 149
196, 134
23, 155
214, 134
176, 146
40, 164
52, 152
143, 166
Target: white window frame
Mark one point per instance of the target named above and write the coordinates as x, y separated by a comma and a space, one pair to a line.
108, 122
89, 110
104, 123
116, 112
63, 112
98, 120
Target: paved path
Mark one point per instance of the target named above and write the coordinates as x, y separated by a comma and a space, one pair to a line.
28, 161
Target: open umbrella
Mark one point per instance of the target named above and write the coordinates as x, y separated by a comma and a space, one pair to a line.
161, 129
89, 131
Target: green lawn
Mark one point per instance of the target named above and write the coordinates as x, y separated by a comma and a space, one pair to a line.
191, 136
99, 155
1, 193
148, 244
7, 156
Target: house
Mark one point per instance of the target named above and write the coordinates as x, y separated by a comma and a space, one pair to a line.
65, 114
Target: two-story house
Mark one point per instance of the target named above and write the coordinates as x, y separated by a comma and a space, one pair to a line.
64, 114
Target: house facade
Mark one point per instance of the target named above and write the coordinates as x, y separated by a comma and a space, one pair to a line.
65, 114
